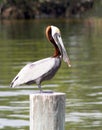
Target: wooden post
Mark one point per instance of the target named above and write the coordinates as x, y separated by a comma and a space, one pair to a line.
47, 111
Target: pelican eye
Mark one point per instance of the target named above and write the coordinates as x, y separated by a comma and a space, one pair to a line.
58, 34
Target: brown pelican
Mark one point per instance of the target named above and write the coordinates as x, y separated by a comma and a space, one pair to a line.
44, 69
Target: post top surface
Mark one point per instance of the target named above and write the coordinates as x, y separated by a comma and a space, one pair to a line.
48, 94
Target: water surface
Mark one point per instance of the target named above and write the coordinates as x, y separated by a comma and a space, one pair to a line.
22, 42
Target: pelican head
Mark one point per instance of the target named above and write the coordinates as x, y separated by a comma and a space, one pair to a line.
54, 36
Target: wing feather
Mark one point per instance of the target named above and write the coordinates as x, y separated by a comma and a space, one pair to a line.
34, 70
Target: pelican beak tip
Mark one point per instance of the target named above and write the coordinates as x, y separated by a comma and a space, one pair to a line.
69, 65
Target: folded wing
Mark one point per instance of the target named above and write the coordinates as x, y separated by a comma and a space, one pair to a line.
32, 71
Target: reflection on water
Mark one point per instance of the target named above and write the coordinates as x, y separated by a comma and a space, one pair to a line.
24, 41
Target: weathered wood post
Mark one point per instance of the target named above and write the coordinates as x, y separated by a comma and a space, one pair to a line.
47, 111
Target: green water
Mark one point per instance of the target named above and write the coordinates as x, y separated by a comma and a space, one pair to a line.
22, 42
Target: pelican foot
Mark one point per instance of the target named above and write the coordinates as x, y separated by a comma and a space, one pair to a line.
47, 91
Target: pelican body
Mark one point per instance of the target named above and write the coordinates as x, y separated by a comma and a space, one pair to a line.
44, 69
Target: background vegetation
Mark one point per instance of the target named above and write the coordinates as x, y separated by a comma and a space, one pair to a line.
27, 9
